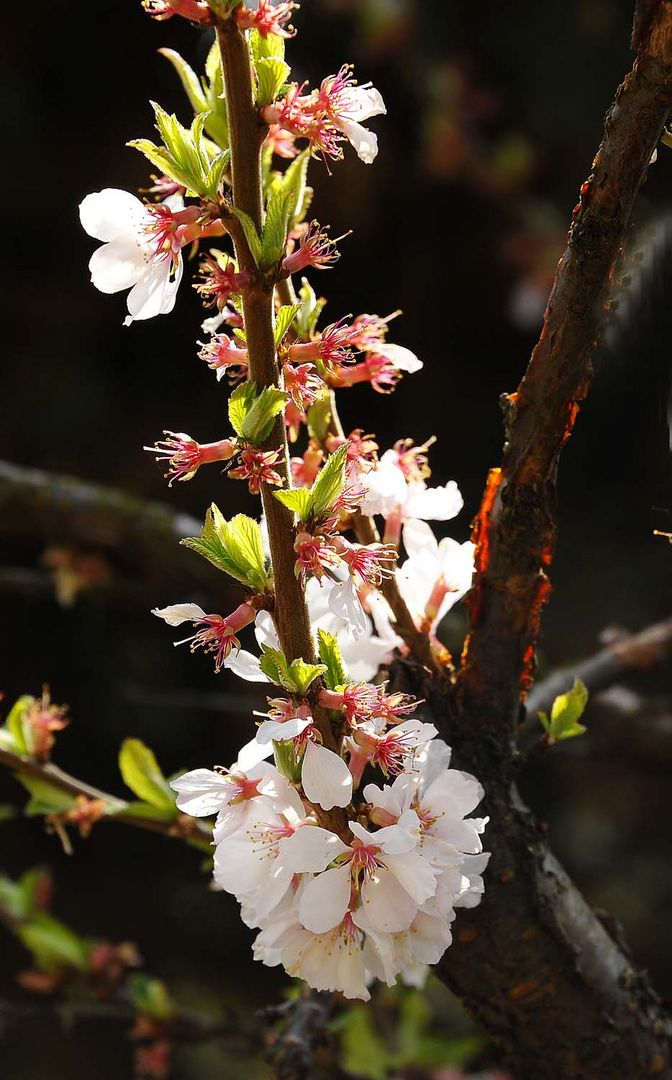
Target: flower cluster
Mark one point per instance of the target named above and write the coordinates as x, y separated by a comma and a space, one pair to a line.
376, 900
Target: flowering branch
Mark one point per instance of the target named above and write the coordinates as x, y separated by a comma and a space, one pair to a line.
109, 807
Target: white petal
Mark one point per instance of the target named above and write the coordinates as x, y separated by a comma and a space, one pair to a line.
402, 358
419, 541
250, 755
363, 140
325, 777
435, 504
281, 730
414, 873
386, 904
155, 293
117, 266
345, 603
364, 102
310, 849
264, 630
202, 792
245, 665
238, 868
325, 900
176, 614
402, 837
386, 488
110, 214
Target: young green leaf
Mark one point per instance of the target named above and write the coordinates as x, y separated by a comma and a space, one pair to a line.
335, 675
319, 415
235, 546
298, 500
283, 321
276, 227
295, 677
185, 156
251, 234
189, 79
330, 482
15, 726
300, 675
294, 186
150, 996
309, 311
271, 76
142, 774
240, 403
258, 422
45, 798
53, 944
565, 714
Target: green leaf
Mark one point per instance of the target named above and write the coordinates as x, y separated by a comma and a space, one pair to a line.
240, 403
298, 500
330, 654
294, 186
287, 761
276, 227
189, 80
330, 482
319, 416
270, 46
53, 944
150, 996
45, 797
185, 156
234, 546
259, 421
295, 677
271, 76
283, 321
273, 663
251, 234
141, 773
565, 714
310, 310
15, 725
300, 675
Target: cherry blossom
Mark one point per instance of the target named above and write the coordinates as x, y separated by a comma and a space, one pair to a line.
217, 634
436, 574
142, 247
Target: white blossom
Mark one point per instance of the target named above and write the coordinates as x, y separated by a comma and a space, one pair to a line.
436, 574
131, 256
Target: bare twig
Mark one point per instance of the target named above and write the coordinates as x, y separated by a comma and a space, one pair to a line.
628, 652
64, 509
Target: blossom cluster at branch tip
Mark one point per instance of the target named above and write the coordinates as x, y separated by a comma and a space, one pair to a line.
339, 911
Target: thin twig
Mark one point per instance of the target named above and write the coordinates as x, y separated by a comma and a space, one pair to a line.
181, 827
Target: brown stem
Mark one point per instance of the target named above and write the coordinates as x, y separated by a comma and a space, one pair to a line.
516, 528
554, 988
247, 132
181, 827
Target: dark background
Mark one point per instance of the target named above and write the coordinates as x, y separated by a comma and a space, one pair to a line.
494, 113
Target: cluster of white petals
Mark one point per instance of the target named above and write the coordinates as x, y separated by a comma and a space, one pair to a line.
342, 911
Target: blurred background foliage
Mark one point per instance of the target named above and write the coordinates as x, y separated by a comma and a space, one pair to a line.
494, 113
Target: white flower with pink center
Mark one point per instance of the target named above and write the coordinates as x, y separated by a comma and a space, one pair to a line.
141, 249
383, 869
436, 574
390, 493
